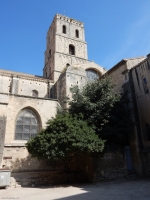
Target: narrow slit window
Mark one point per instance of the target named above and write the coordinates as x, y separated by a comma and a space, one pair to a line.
64, 29
146, 90
50, 53
77, 33
71, 49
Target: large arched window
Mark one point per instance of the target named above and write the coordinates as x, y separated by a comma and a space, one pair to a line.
92, 75
64, 29
71, 49
77, 33
27, 125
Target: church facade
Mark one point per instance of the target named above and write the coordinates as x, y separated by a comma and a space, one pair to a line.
28, 101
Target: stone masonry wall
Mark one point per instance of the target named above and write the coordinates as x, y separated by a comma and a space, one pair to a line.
2, 136
83, 169
15, 155
111, 166
118, 78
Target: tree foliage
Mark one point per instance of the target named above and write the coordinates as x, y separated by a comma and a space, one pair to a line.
106, 112
64, 137
96, 114
120, 124
94, 102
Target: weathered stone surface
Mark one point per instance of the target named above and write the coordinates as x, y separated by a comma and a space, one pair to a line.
2, 136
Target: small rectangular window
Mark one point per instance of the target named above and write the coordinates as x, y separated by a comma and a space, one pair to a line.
146, 90
64, 29
71, 49
77, 33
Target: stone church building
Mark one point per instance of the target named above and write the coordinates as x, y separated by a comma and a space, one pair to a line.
28, 101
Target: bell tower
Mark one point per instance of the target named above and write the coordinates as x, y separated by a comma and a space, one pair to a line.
65, 45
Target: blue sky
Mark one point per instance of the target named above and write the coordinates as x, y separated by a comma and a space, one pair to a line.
114, 29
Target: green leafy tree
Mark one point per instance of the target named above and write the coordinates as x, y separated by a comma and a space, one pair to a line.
120, 124
94, 102
64, 137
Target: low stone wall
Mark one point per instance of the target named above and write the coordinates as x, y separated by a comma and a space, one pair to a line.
80, 171
111, 166
17, 159
33, 179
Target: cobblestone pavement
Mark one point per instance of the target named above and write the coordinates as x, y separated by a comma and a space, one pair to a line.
112, 190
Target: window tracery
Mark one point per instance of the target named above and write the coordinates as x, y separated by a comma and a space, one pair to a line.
27, 125
92, 75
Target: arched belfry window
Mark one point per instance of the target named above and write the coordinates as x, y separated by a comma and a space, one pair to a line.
27, 125
77, 33
71, 49
92, 75
64, 29
34, 93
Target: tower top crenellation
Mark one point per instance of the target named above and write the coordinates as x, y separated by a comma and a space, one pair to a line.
68, 19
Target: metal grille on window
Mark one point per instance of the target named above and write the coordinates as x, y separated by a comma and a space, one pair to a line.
27, 125
92, 75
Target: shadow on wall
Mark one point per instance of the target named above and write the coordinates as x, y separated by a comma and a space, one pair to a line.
111, 166
33, 164
30, 172
48, 172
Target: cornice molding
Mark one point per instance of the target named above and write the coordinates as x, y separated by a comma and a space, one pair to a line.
12, 74
77, 40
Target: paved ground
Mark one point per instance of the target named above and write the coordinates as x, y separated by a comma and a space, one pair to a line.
113, 190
